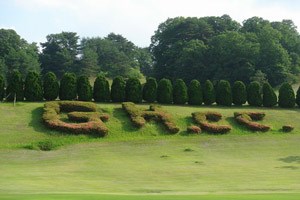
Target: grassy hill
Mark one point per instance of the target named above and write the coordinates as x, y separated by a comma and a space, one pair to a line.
148, 163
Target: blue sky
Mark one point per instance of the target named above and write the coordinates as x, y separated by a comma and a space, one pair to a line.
134, 19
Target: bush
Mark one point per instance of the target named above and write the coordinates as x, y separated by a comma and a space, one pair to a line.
134, 113
68, 87
84, 89
118, 89
150, 90
15, 87
180, 95
133, 90
254, 96
203, 118
193, 129
209, 96
298, 97
51, 86
224, 95
247, 118
286, 97
165, 91
195, 96
287, 128
2, 86
269, 96
239, 93
33, 87
101, 91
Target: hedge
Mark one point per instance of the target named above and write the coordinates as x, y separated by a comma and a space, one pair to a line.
15, 87
150, 90
209, 96
269, 96
101, 91
118, 89
298, 97
50, 86
247, 119
180, 95
33, 90
203, 118
84, 89
68, 87
254, 96
92, 121
286, 98
2, 86
195, 96
224, 94
133, 90
165, 91
239, 93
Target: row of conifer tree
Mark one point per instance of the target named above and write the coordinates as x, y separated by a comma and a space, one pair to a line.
70, 87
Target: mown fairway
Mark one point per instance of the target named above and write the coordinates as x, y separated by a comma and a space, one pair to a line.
147, 161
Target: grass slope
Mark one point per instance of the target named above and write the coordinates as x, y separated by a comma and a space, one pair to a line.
147, 161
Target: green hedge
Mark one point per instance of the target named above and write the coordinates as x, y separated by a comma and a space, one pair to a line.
150, 90
68, 87
50, 86
239, 93
209, 96
2, 86
254, 96
133, 90
84, 89
269, 96
15, 87
118, 89
165, 91
286, 98
195, 95
224, 94
180, 95
101, 91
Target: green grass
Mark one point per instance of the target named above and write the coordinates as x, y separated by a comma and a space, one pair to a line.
148, 163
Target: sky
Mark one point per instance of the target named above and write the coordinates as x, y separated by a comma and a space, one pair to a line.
136, 20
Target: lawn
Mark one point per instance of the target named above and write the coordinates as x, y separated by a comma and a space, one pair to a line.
148, 163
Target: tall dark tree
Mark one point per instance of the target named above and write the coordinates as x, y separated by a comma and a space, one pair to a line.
33, 90
298, 97
165, 91
84, 88
133, 90
195, 96
209, 96
118, 89
286, 98
254, 96
180, 95
269, 96
15, 87
101, 91
51, 86
239, 93
68, 87
2, 86
150, 90
224, 93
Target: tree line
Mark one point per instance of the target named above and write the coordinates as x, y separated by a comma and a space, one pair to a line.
71, 87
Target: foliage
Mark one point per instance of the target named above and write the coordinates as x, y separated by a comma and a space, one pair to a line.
15, 87
287, 128
180, 95
101, 92
68, 87
193, 129
50, 86
118, 89
269, 96
239, 93
286, 98
209, 96
165, 91
150, 90
33, 90
195, 96
224, 94
298, 97
2, 87
254, 96
84, 89
133, 90
247, 119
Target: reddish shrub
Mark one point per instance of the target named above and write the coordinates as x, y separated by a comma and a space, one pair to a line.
247, 119
193, 129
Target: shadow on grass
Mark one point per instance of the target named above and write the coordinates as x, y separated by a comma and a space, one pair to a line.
124, 119
291, 159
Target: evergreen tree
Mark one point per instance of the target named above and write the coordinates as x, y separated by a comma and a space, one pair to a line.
180, 95
195, 96
15, 87
51, 86
84, 89
2, 86
68, 87
254, 96
33, 87
150, 90
209, 96
165, 91
133, 90
118, 89
224, 94
239, 93
298, 97
101, 89
269, 96
286, 97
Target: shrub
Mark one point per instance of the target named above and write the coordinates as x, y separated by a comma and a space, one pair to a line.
247, 119
269, 96
165, 91
180, 95
193, 129
51, 86
195, 96
134, 113
2, 86
224, 95
68, 87
84, 89
33, 87
92, 125
286, 97
298, 97
239, 93
254, 96
101, 91
150, 90
208, 93
118, 89
133, 90
287, 128
15, 87
203, 118
47, 145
